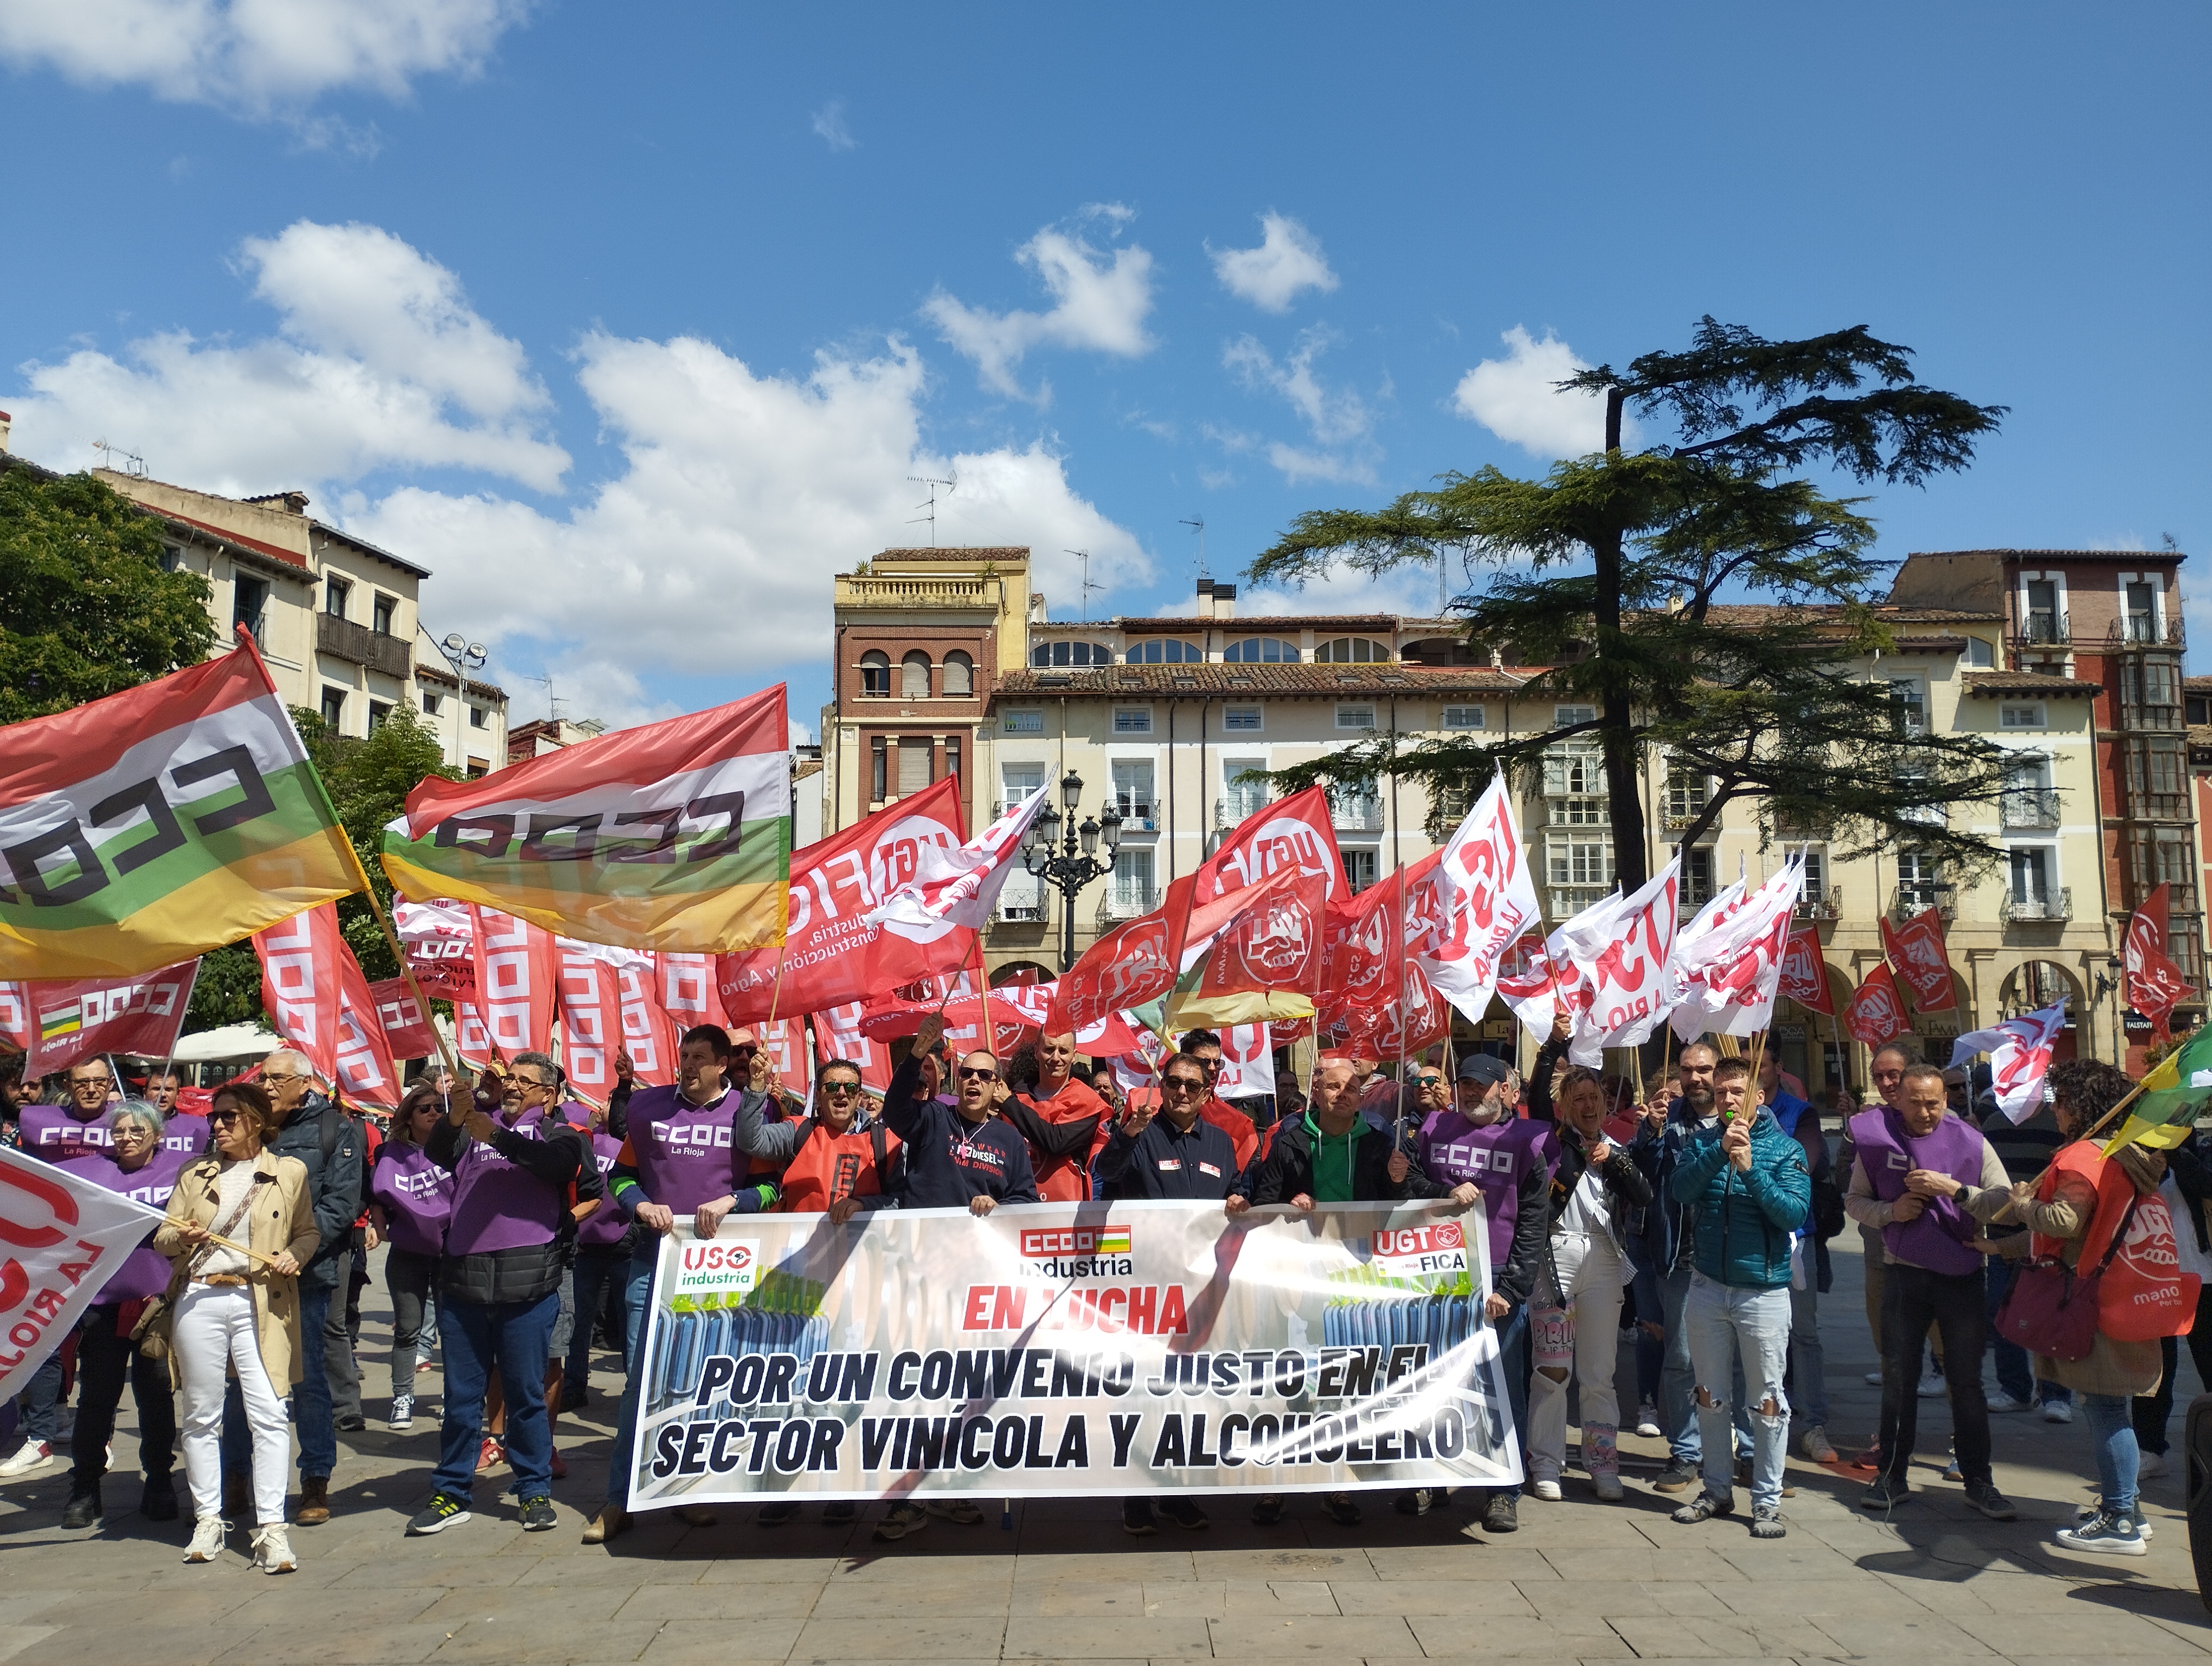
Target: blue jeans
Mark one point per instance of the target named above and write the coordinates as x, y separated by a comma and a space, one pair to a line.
2112, 1433
516, 1337
1809, 1360
1727, 1327
637, 1296
598, 1273
310, 1400
41, 1402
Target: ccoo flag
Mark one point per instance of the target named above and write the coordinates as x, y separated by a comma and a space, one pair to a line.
144, 829
673, 836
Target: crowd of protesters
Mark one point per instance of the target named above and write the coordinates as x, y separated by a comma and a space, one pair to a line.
1661, 1245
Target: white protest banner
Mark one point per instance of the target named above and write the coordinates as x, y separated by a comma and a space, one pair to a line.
61, 1239
1072, 1350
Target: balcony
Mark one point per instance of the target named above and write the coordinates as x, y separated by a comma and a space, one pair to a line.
1119, 903
1567, 901
2028, 809
2040, 628
1362, 814
1820, 904
2054, 908
2136, 631
1228, 812
2156, 717
1577, 812
917, 590
1917, 896
342, 639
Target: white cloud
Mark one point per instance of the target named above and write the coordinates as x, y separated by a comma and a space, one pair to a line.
1102, 298
1339, 420
259, 58
1517, 399
380, 362
1289, 259
829, 126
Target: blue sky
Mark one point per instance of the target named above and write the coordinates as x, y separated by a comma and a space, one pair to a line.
632, 322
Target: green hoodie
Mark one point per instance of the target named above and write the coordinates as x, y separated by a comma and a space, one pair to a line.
1332, 1161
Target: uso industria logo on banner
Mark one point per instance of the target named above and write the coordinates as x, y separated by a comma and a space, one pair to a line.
1067, 1349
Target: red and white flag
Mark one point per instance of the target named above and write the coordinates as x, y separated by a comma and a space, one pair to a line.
1919, 956
406, 1025
2154, 984
440, 938
62, 1238
688, 991
1876, 1014
957, 889
1536, 980
1139, 963
368, 1069
16, 1016
788, 1054
1621, 947
649, 1032
318, 1000
1481, 900
1805, 972
85, 1017
1726, 967
518, 981
2020, 1057
591, 1015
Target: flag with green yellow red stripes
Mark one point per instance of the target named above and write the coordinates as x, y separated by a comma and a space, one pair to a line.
2172, 1097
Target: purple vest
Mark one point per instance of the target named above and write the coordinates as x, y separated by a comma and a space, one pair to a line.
1453, 1150
1935, 1240
604, 1226
417, 1196
497, 1206
685, 1155
146, 1272
50, 1132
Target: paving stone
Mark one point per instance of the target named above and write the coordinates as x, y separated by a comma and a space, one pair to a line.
1741, 1638
548, 1635
777, 1601
1330, 1637
1521, 1638
1439, 1597
15, 1639
1178, 1637
886, 1636
1884, 1634
1488, 1559
1615, 1599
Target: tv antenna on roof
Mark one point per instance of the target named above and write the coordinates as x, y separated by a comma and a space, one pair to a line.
133, 464
552, 700
931, 517
1199, 521
1083, 556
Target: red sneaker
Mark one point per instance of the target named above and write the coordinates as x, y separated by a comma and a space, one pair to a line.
489, 1456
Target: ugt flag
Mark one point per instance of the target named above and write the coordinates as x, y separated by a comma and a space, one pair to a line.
676, 835
2020, 1057
144, 828
957, 886
61, 1239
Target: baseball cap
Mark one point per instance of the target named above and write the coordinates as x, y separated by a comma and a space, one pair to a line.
1484, 1069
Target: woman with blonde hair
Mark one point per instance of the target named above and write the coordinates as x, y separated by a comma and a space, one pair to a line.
236, 1312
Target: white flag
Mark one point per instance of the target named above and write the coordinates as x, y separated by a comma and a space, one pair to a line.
61, 1239
1621, 945
2020, 1057
958, 888
1480, 901
1727, 964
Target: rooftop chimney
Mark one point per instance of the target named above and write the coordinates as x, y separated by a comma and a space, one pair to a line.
292, 502
1225, 600
1205, 599
6, 422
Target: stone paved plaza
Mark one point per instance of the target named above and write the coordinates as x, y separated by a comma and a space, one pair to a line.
1580, 1581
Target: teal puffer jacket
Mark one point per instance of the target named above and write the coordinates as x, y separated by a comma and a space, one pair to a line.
1745, 1219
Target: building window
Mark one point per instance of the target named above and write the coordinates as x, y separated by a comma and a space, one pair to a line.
1359, 868
1351, 651
1132, 790
335, 591
916, 758
1919, 884
1812, 882
1355, 717
1131, 883
914, 676
1165, 651
1262, 651
1463, 717
1243, 787
2139, 599
1022, 723
248, 598
2021, 717
1046, 655
879, 766
876, 673
959, 676
432, 703
1687, 796
1132, 719
334, 710
378, 711
1908, 705
1241, 719
1697, 877
172, 557
382, 612
1980, 656
1581, 861
952, 756
2045, 612
1017, 781
1574, 767
2035, 866
478, 717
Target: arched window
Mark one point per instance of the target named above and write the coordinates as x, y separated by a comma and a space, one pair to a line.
875, 673
1442, 651
959, 676
1351, 651
1165, 651
1082, 654
914, 676
1262, 651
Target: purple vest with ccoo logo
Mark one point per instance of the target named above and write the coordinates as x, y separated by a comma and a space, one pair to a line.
685, 1155
497, 1206
1935, 1240
145, 1272
603, 1227
1452, 1150
417, 1196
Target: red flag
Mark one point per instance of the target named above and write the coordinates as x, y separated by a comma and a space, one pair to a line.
1371, 978
1805, 973
315, 995
785, 1043
831, 957
1296, 832
406, 1025
1139, 962
591, 1019
83, 1018
518, 981
1918, 954
2155, 984
838, 1036
649, 1032
368, 1070
688, 993
1876, 1013
16, 1016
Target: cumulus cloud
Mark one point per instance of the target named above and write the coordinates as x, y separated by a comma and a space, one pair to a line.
1288, 260
1517, 397
1100, 296
1340, 422
829, 126
261, 58
378, 362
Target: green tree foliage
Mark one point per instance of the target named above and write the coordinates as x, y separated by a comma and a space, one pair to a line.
1610, 573
85, 608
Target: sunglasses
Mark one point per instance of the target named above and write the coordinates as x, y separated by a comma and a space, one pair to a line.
969, 1074
841, 1089
1186, 1084
224, 1118
743, 1051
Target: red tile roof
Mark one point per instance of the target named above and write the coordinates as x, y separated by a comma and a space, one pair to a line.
1996, 683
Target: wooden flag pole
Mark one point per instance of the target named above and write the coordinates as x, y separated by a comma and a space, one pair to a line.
245, 1249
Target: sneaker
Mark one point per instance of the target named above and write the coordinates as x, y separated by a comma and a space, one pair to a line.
956, 1509
1953, 1473
1546, 1489
31, 1456
1933, 1385
1267, 1509
696, 1515
402, 1413
272, 1550
1766, 1522
900, 1520
1883, 1495
1874, 1379
1677, 1477
207, 1540
2104, 1534
538, 1514
1342, 1510
349, 1422
776, 1514
1184, 1512
1503, 1513
840, 1512
1985, 1497
2001, 1402
2149, 1466
421, 1366
1418, 1502
1606, 1483
2057, 1411
1704, 1508
1137, 1518
1647, 1420
489, 1456
2088, 1513
443, 1511
1815, 1445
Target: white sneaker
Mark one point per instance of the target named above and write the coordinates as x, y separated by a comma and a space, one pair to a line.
2057, 1411
1816, 1445
272, 1550
1549, 1491
1647, 1421
2149, 1466
207, 1540
1874, 1379
31, 1456
2001, 1402
1932, 1386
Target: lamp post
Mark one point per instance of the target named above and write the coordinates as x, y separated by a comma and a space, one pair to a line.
1076, 863
462, 656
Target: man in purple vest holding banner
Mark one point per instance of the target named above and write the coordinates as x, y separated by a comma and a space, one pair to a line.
1926, 1180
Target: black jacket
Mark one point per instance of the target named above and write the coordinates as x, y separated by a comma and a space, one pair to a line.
337, 1183
1286, 1169
561, 1158
1164, 1162
2192, 1178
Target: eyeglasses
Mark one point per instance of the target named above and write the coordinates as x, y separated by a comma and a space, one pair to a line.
103, 1083
279, 1081
531, 1081
1184, 1085
223, 1118
970, 1074
840, 1090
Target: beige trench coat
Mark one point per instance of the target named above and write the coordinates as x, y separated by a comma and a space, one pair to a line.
278, 1219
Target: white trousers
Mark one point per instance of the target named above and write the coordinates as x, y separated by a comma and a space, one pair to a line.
215, 1329
1594, 1273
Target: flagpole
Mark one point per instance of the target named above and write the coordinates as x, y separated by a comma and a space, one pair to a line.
1398, 1139
169, 1064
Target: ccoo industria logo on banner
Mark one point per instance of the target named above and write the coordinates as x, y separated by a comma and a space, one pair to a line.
1071, 1349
